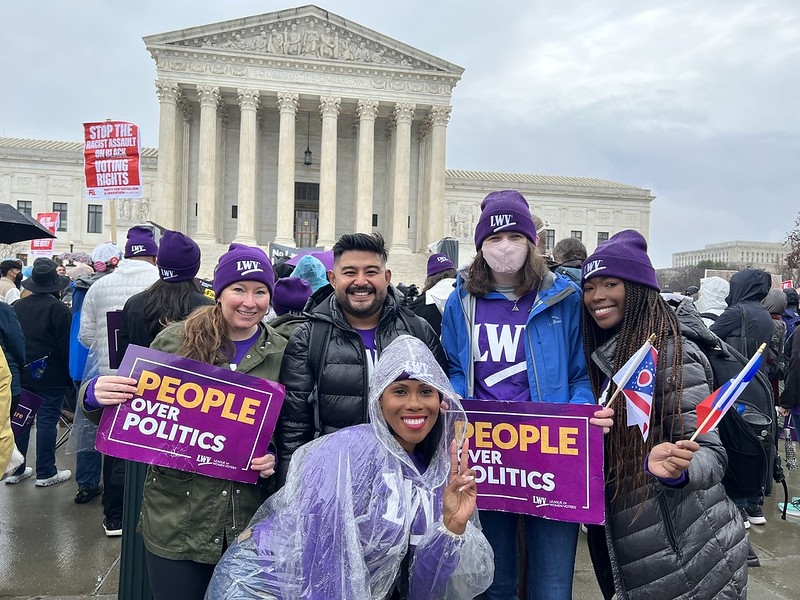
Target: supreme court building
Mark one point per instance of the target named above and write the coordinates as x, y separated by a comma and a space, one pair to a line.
295, 127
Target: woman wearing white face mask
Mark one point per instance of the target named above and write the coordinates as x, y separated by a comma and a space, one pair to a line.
511, 331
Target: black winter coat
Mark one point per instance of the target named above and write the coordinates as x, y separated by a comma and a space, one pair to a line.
13, 342
45, 321
748, 288
683, 542
134, 328
341, 397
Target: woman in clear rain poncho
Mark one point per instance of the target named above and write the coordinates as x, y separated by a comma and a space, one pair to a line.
372, 510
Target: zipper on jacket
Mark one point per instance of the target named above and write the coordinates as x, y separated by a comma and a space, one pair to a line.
533, 362
668, 525
619, 583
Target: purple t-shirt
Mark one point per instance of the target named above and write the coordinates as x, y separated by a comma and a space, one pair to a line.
368, 337
498, 349
242, 347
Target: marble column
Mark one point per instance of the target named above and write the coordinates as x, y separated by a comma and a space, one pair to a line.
404, 115
287, 104
246, 221
329, 109
168, 211
207, 222
367, 112
439, 115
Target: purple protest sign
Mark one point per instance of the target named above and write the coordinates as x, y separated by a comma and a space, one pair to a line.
537, 458
27, 407
191, 416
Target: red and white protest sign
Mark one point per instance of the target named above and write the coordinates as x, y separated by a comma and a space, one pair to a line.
111, 160
787, 284
44, 246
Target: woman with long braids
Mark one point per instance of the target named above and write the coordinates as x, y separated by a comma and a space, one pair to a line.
671, 531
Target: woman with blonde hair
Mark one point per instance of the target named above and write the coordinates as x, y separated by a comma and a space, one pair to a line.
188, 520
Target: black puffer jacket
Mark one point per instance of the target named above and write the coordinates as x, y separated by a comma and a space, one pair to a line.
687, 542
45, 322
341, 399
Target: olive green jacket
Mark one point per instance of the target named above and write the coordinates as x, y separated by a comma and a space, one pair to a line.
186, 516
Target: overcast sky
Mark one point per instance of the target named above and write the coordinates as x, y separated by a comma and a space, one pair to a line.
696, 101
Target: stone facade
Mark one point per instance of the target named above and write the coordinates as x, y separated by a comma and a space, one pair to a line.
769, 256
245, 103
241, 102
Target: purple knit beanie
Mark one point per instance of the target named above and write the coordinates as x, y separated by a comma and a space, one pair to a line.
506, 210
624, 256
178, 257
243, 263
438, 263
140, 242
291, 294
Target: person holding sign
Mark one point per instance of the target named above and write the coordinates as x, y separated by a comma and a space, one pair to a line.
378, 510
187, 519
511, 331
671, 531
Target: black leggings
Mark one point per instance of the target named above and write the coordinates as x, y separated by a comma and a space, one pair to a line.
178, 579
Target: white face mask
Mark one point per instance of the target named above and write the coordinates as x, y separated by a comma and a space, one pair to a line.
505, 256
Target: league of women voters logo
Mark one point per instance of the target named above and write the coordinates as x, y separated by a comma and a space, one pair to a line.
245, 267
593, 267
137, 249
498, 222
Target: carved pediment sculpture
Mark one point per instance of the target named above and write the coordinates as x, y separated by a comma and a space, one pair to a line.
307, 32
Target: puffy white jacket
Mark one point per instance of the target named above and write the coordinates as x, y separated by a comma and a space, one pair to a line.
107, 294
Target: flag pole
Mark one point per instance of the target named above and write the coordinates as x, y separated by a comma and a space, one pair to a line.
628, 373
731, 389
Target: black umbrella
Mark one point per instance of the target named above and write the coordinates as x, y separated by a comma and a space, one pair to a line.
18, 227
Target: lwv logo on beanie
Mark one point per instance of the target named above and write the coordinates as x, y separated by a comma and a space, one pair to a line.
136, 249
168, 273
245, 267
498, 222
593, 267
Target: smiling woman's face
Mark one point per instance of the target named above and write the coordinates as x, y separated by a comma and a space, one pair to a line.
604, 298
410, 408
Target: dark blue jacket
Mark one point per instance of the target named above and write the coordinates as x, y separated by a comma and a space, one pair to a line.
12, 341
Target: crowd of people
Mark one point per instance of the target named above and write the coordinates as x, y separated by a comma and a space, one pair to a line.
366, 490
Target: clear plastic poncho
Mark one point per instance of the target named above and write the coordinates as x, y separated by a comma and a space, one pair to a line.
354, 505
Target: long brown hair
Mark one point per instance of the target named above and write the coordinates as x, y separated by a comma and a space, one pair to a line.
206, 337
479, 275
645, 313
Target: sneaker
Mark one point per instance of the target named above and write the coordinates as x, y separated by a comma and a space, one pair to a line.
112, 527
793, 510
756, 515
85, 494
59, 477
745, 518
14, 479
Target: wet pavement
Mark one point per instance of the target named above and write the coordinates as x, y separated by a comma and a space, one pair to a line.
52, 548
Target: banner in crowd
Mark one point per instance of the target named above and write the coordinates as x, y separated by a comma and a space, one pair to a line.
27, 407
111, 159
44, 246
191, 416
537, 458
278, 251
